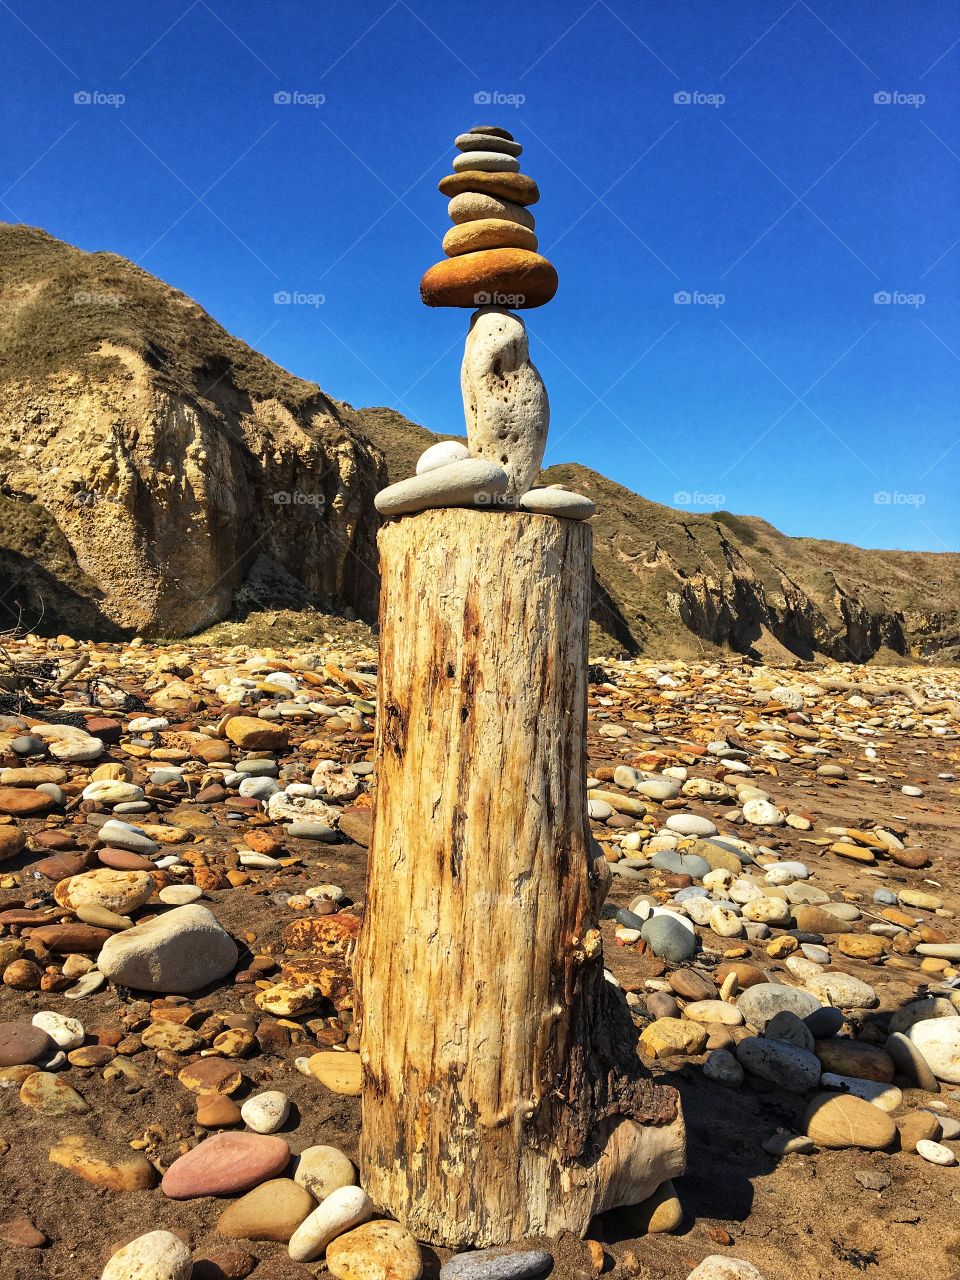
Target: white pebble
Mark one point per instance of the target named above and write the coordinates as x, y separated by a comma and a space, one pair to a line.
935, 1152
266, 1112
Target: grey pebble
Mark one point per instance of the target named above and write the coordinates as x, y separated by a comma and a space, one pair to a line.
495, 1264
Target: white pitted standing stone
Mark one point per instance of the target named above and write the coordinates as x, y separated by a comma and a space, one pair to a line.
504, 399
439, 454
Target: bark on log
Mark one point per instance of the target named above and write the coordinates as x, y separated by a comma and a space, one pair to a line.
502, 1092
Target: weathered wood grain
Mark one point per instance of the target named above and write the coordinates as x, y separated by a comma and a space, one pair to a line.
503, 1096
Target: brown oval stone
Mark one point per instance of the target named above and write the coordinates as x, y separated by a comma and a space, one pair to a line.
916, 1126
22, 917
24, 801
91, 1055
915, 858
842, 1120
217, 1111
60, 841
22, 1042
516, 187
474, 279
692, 985
272, 1211
59, 866
855, 1058
23, 975
66, 939
748, 975
211, 1075
12, 841
123, 860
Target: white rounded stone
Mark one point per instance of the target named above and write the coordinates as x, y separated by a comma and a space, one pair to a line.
935, 1152
343, 1209
265, 1112
158, 1255
439, 454
67, 1032
691, 824
938, 1039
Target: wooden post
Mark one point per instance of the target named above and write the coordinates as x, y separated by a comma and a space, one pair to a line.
502, 1092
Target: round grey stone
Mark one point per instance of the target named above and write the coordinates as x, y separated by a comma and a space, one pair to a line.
669, 939
760, 1003
788, 1028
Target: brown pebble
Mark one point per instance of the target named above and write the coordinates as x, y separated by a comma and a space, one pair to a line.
22, 1234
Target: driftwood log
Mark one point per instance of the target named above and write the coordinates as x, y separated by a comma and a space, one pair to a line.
502, 1092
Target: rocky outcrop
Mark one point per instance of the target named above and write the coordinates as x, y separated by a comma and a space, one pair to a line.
157, 475
166, 457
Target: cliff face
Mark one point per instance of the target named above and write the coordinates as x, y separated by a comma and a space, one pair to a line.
157, 475
162, 458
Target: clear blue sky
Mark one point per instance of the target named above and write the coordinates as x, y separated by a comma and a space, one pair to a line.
782, 185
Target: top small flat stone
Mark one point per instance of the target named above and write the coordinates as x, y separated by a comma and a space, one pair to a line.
491, 128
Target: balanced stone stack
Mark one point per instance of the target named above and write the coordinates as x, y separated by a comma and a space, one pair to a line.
491, 248
491, 265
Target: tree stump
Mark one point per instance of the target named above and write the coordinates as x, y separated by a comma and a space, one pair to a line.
502, 1092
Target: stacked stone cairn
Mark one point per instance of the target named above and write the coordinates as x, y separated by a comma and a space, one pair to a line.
491, 265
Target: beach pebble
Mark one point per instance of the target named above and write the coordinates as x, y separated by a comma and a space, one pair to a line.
441, 453
343, 1209
375, 1251
935, 1152
158, 1255
266, 1112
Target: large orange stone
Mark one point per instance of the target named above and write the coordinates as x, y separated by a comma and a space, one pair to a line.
513, 278
517, 187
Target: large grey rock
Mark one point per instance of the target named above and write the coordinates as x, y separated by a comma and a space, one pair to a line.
793, 1069
178, 952
473, 482
504, 400
760, 1003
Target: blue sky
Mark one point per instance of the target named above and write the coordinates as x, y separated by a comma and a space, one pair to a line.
781, 165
